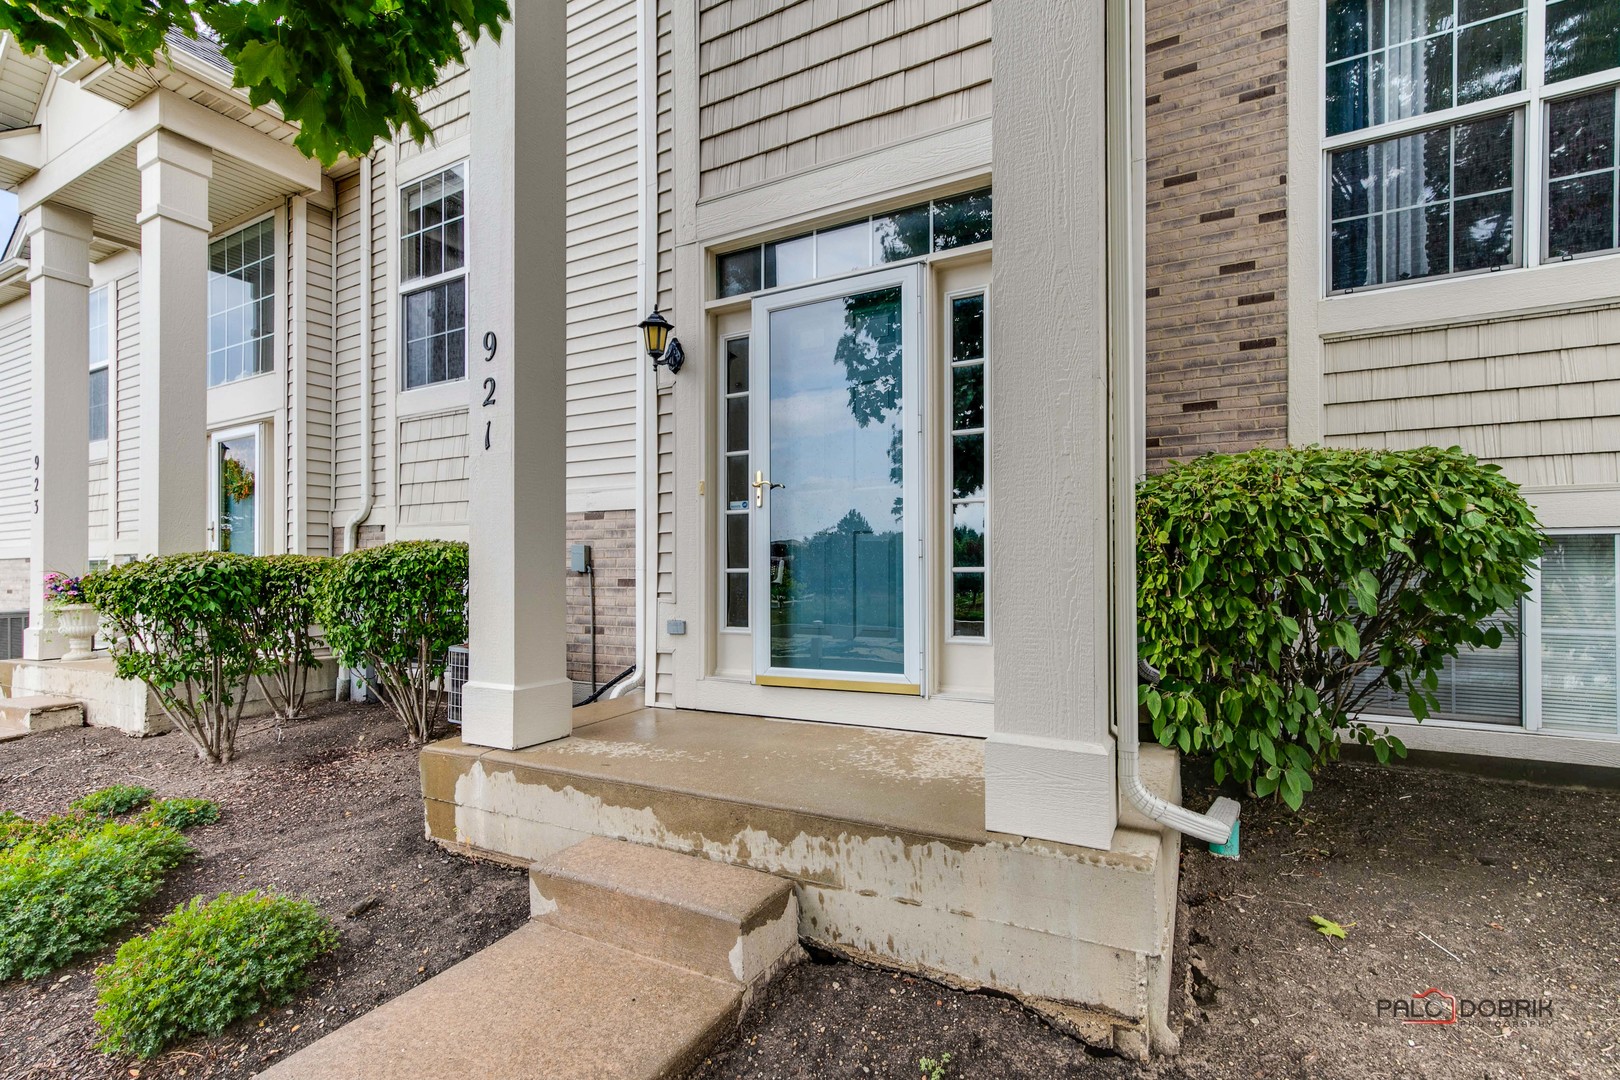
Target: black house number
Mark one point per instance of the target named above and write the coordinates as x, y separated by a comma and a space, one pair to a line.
490, 342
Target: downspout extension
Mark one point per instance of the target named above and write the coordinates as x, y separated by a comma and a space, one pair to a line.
1126, 164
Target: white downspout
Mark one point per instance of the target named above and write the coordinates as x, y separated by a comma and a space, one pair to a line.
351, 528
1127, 166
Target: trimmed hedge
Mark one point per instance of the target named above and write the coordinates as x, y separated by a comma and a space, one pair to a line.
397, 609
1279, 590
283, 619
205, 966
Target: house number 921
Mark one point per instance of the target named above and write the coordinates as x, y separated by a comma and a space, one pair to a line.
490, 341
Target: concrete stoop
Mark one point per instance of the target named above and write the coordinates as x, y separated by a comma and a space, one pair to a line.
21, 716
635, 963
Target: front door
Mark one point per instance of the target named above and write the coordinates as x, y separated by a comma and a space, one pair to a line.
234, 523
835, 572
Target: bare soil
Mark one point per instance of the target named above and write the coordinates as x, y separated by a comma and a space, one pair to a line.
1484, 889
331, 812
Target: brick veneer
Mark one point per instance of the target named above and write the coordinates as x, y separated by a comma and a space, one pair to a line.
612, 536
1217, 231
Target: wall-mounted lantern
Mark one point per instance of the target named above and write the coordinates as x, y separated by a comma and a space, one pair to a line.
663, 349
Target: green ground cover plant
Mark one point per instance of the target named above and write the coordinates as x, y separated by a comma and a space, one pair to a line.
112, 801
181, 814
69, 883
1280, 590
397, 609
205, 966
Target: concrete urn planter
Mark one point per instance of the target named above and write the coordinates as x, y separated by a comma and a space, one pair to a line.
78, 623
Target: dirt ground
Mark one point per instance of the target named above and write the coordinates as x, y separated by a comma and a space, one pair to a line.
333, 812
1484, 889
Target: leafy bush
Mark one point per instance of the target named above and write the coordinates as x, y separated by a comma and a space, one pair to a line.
112, 801
71, 883
282, 621
205, 966
397, 609
181, 814
184, 625
1278, 590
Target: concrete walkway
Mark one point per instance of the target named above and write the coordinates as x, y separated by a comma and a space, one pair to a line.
636, 962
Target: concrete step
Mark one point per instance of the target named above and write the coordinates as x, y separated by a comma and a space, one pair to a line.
723, 921
40, 713
540, 1004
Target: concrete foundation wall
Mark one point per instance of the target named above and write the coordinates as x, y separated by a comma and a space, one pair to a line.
13, 584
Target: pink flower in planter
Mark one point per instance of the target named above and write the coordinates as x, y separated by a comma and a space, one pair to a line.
62, 590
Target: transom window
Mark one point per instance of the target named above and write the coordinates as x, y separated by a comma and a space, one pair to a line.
940, 225
241, 303
100, 357
433, 272
1519, 170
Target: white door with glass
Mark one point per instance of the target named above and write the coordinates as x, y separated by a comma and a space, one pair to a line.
234, 469
834, 492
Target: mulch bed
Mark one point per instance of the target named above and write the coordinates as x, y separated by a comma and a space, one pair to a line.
1486, 889
331, 812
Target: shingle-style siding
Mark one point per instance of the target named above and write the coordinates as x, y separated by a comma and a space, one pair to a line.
433, 469
612, 537
127, 417
447, 110
1539, 395
1217, 231
788, 86
604, 141
15, 426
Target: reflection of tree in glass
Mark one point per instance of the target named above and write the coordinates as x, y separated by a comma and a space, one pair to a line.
962, 220
853, 523
1580, 38
967, 466
869, 351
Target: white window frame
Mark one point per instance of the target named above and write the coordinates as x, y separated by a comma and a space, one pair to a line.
98, 447
948, 464
276, 288
1530, 105
724, 455
408, 287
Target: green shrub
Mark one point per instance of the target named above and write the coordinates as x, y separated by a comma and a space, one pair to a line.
205, 966
181, 813
74, 882
283, 619
1278, 590
397, 609
112, 801
184, 625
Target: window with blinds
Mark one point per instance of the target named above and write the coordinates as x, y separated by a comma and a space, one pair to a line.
1480, 686
1579, 669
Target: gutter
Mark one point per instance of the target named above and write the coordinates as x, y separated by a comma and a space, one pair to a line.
1126, 178
351, 528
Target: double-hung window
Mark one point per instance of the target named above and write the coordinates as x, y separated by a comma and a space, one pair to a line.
241, 303
1467, 136
100, 355
433, 272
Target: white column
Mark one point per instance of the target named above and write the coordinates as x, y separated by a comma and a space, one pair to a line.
518, 693
174, 343
1049, 765
59, 443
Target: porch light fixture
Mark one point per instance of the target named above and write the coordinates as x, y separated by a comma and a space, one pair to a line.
663, 349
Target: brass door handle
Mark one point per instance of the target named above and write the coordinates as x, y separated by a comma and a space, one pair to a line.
760, 486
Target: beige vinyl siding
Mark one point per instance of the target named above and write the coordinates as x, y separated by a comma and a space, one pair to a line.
100, 498
603, 152
22, 83
316, 378
665, 149
788, 86
127, 406
1539, 395
15, 497
433, 469
358, 354
447, 110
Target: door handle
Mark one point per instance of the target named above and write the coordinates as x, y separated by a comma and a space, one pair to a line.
761, 486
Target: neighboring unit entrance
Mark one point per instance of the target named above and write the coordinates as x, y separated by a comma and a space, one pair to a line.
835, 566
233, 523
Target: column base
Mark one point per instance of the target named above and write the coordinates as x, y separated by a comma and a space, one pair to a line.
511, 717
43, 643
1050, 789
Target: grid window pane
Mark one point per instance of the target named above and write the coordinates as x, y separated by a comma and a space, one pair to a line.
967, 396
903, 234
967, 604
967, 328
1435, 202
967, 535
962, 220
1398, 58
98, 404
434, 240
739, 272
435, 334
1582, 165
1583, 36
737, 366
1580, 675
241, 303
737, 600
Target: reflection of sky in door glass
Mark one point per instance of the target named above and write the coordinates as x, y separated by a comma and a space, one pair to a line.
827, 461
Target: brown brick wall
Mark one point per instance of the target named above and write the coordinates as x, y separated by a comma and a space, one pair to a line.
1217, 230
612, 536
